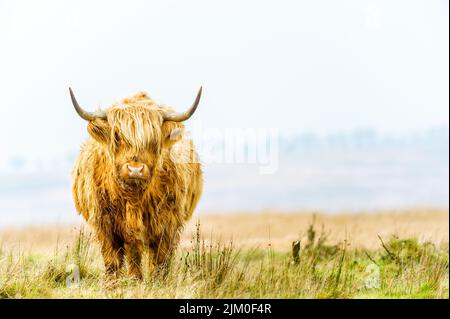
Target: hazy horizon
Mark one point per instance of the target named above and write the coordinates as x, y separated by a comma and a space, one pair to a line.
355, 173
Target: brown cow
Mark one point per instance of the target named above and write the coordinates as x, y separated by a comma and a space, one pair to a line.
129, 184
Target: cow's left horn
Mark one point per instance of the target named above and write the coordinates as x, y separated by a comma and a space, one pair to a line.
88, 116
180, 117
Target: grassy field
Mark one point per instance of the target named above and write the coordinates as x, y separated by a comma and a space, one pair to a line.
266, 255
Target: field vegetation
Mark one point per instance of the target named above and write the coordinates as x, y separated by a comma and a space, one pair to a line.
205, 266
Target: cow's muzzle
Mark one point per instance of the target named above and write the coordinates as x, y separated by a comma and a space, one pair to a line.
132, 171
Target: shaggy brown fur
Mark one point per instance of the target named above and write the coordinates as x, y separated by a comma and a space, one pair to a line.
146, 217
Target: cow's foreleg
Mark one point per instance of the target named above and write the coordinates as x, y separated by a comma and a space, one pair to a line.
112, 256
133, 253
162, 251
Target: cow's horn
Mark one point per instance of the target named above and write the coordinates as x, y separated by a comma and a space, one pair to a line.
88, 116
180, 117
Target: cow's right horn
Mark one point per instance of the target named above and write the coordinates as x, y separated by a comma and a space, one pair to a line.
180, 117
88, 116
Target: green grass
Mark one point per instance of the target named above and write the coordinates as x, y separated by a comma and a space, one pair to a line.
407, 269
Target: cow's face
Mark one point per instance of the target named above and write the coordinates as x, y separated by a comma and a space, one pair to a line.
135, 138
134, 135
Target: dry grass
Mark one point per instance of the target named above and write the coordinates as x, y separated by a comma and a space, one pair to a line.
277, 228
361, 230
409, 249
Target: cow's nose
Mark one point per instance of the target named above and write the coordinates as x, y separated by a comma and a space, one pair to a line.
135, 170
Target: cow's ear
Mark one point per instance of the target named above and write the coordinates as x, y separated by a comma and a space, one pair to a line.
173, 132
99, 130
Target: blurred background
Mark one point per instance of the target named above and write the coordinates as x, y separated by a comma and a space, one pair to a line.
358, 92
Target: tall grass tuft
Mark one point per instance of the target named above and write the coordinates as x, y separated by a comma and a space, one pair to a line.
210, 261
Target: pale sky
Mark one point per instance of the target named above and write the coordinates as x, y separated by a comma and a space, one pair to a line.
300, 66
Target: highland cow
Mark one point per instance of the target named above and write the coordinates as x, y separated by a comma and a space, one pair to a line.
129, 184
